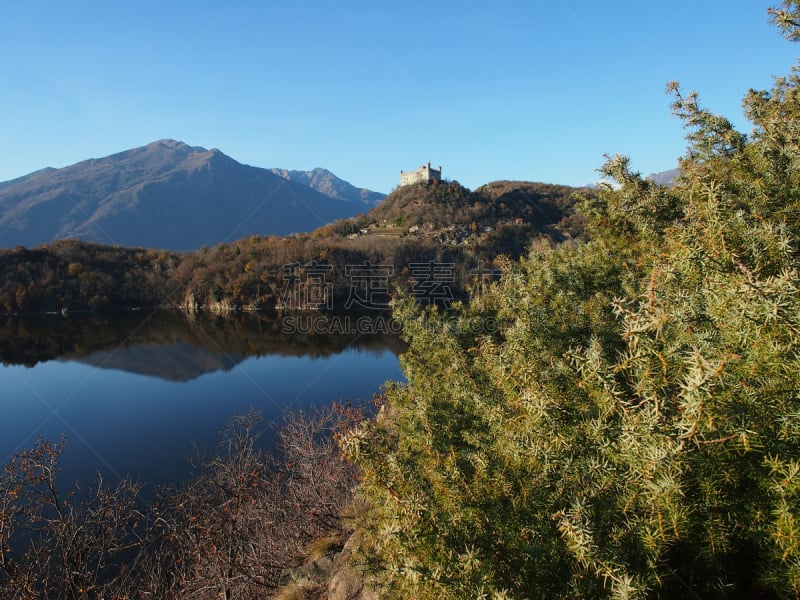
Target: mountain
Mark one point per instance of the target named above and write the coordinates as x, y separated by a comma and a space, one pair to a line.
329, 184
165, 195
664, 177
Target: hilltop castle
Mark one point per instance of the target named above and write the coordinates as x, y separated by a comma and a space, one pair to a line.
422, 175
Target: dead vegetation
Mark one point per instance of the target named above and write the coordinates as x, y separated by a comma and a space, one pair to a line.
235, 530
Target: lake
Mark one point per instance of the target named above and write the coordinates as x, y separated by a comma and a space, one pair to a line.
134, 393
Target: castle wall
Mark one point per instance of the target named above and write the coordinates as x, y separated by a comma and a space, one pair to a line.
425, 174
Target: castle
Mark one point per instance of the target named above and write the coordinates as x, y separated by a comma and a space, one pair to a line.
422, 175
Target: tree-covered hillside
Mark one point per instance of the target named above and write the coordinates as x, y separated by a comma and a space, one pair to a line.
440, 224
442, 205
631, 428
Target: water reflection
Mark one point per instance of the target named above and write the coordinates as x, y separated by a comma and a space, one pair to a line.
134, 393
177, 346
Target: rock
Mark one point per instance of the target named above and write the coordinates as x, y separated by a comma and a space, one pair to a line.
329, 577
314, 573
344, 583
190, 304
221, 307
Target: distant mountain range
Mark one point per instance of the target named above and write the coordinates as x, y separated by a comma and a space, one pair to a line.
329, 184
170, 195
665, 177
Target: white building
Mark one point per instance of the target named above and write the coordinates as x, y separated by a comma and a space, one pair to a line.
422, 175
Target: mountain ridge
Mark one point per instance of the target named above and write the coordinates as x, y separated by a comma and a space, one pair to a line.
166, 194
326, 182
666, 178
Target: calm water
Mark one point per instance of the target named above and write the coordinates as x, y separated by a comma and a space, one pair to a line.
133, 393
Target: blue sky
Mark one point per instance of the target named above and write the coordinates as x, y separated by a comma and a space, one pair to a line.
503, 90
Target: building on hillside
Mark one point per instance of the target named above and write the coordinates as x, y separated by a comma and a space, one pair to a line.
425, 174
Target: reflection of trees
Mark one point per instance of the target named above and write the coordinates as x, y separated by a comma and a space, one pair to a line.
258, 334
231, 338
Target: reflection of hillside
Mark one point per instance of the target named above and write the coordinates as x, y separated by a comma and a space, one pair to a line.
172, 346
173, 362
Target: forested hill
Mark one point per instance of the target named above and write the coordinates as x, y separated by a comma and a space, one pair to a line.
501, 217
540, 205
442, 223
